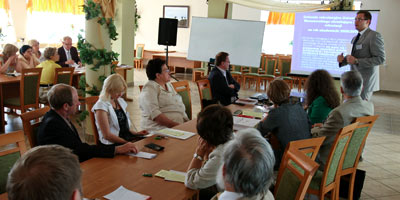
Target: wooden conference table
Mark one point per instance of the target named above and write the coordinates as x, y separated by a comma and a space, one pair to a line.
9, 87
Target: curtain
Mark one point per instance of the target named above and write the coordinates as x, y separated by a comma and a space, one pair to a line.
4, 5
57, 6
276, 6
281, 18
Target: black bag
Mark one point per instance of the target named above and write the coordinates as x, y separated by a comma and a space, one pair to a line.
208, 102
358, 185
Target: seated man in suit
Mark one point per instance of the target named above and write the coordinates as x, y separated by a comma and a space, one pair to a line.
68, 54
45, 172
223, 87
247, 168
56, 127
353, 107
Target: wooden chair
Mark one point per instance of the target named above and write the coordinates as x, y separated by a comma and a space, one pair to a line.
64, 75
138, 60
200, 73
354, 150
236, 73
122, 71
269, 66
90, 101
31, 130
310, 147
9, 155
294, 177
29, 91
204, 90
327, 181
183, 89
284, 67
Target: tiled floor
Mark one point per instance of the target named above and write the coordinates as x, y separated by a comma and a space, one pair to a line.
381, 154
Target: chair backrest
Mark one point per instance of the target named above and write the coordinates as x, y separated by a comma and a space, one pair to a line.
284, 64
29, 88
183, 89
64, 75
236, 68
295, 174
357, 141
139, 50
8, 156
204, 90
90, 101
336, 156
310, 147
270, 64
31, 129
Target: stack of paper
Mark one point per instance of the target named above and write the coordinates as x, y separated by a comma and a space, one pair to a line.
240, 123
183, 135
142, 154
171, 175
246, 101
124, 194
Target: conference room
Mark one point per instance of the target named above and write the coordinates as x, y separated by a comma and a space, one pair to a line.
275, 39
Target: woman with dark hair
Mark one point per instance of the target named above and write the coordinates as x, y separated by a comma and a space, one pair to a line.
286, 122
322, 96
215, 127
26, 58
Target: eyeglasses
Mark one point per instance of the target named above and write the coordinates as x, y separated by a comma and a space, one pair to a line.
359, 19
167, 70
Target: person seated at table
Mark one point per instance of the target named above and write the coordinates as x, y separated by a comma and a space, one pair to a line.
248, 167
285, 122
68, 54
161, 106
354, 106
56, 127
26, 59
215, 128
223, 87
45, 172
9, 60
36, 50
112, 118
48, 72
322, 96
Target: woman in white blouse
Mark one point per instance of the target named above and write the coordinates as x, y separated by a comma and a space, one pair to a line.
160, 104
112, 119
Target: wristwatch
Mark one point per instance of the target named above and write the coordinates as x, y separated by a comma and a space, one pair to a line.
198, 157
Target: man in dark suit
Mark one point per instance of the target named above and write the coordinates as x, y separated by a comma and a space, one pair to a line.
56, 127
223, 87
68, 54
367, 54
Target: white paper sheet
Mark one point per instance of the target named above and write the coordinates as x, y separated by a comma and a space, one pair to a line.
124, 194
183, 135
142, 154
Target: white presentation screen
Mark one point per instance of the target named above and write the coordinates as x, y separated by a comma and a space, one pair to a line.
241, 39
320, 36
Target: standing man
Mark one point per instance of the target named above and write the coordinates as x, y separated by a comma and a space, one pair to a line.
223, 87
366, 55
68, 54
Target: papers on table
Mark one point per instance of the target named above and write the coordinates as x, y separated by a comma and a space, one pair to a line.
252, 114
142, 154
171, 175
124, 194
244, 122
183, 135
246, 101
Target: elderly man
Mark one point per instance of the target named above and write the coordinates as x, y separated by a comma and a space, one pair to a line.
354, 106
45, 172
247, 170
367, 54
56, 127
68, 54
223, 87
160, 104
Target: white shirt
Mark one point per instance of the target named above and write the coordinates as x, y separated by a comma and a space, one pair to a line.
227, 195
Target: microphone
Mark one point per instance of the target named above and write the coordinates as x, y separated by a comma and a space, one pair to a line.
173, 77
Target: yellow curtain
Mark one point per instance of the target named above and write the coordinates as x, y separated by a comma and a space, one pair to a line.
57, 6
4, 5
281, 18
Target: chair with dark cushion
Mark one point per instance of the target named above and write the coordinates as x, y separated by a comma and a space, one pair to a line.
183, 89
204, 91
29, 91
12, 147
31, 129
64, 75
90, 101
354, 150
326, 181
295, 174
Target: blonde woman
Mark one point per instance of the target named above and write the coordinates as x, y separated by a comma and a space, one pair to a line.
26, 58
36, 50
112, 119
9, 61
